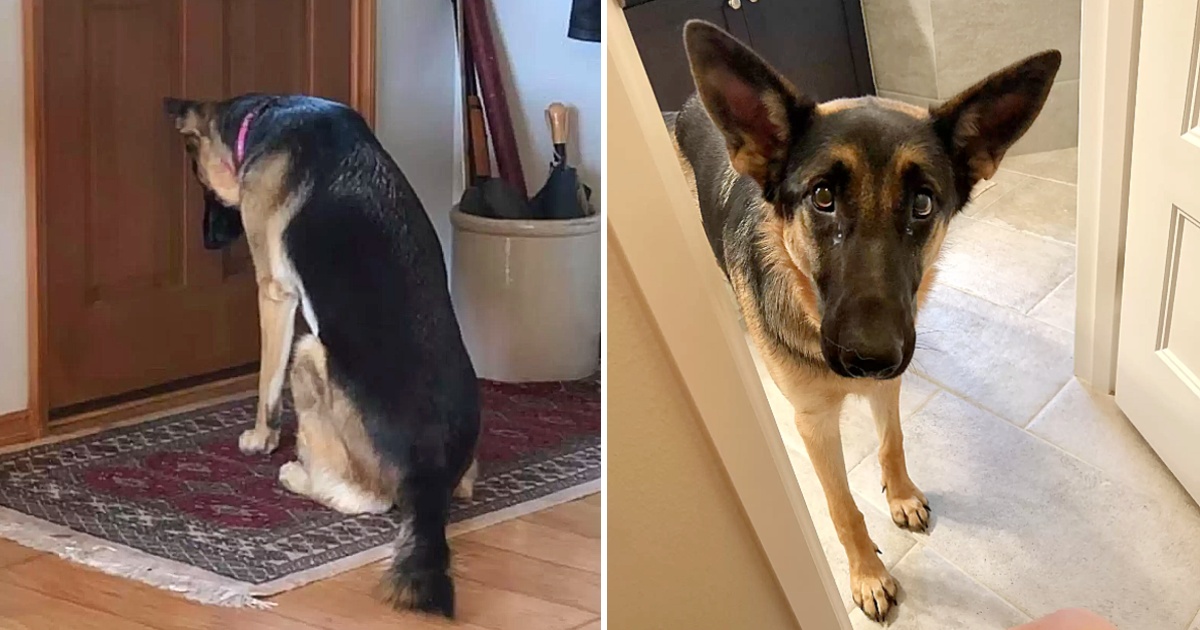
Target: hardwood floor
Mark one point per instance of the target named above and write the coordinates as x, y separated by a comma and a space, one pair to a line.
538, 572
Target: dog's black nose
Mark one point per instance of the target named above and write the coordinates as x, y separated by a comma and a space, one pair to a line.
882, 362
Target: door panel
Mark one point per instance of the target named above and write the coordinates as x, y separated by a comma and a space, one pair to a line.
133, 300
1158, 363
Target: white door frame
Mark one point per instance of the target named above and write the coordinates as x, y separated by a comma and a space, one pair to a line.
674, 270
1110, 34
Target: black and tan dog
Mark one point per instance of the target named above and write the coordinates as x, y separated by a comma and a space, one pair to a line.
385, 394
828, 220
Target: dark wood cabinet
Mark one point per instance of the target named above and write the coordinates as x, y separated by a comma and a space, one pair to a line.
820, 45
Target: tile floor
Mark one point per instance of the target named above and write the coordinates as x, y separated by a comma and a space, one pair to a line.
1044, 495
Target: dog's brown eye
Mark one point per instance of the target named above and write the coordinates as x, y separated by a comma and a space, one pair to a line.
922, 205
822, 198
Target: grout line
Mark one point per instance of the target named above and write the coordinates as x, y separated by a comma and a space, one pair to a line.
999, 222
1037, 413
915, 411
981, 215
935, 100
1074, 184
975, 403
982, 585
911, 550
1104, 473
946, 286
1108, 475
1047, 296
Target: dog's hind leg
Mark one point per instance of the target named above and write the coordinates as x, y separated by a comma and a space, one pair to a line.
336, 464
466, 486
817, 418
906, 502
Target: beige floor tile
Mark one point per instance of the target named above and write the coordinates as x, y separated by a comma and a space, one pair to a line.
1042, 529
1002, 265
1060, 165
1195, 623
936, 595
1041, 206
1002, 183
1058, 309
1091, 427
1005, 361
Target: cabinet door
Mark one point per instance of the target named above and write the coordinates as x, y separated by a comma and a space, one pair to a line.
132, 299
820, 45
657, 27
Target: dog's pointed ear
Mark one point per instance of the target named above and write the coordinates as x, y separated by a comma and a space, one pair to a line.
759, 112
181, 112
980, 124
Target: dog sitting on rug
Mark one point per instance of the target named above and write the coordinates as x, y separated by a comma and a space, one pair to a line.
385, 394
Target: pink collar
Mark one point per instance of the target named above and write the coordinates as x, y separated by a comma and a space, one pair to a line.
244, 131
241, 139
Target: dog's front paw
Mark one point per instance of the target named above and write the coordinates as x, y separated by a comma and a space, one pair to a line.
909, 508
873, 589
253, 441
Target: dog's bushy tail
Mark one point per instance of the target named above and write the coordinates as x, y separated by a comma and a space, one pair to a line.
419, 578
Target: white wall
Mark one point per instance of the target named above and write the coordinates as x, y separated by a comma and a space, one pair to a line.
415, 114
415, 118
14, 379
542, 66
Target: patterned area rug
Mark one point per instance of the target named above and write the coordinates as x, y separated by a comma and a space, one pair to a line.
172, 502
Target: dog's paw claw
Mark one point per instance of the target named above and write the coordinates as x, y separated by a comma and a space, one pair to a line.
874, 591
253, 442
909, 513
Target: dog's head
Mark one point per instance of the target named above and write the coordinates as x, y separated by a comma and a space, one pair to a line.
862, 190
212, 162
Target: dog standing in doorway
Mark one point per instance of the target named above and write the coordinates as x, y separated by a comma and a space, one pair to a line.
386, 398
828, 219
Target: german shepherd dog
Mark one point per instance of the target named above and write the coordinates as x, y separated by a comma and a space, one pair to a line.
385, 393
827, 219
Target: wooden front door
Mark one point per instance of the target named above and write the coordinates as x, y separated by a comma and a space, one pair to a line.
131, 298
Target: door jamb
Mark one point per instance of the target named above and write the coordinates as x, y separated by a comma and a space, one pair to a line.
1110, 35
363, 41
665, 246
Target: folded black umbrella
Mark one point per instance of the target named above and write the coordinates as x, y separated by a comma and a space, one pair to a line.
563, 196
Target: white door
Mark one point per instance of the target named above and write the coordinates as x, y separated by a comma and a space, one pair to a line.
1158, 364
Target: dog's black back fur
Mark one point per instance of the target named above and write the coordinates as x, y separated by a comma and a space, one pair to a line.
373, 269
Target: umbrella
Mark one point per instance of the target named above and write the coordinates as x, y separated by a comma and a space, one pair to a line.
563, 196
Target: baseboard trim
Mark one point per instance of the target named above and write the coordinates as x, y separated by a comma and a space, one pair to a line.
14, 427
153, 406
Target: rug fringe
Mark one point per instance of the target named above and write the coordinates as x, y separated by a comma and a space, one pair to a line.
189, 582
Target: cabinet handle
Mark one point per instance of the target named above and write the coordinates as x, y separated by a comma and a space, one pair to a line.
735, 4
